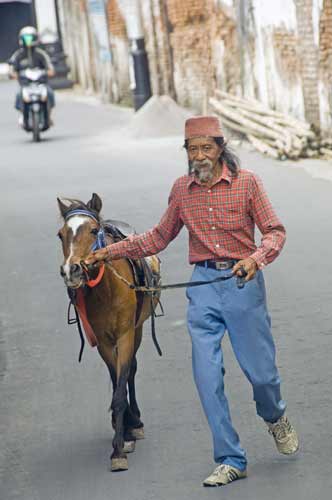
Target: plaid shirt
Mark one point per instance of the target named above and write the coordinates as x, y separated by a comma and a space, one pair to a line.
220, 220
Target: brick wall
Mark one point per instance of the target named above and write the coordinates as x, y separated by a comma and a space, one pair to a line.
190, 40
204, 46
120, 51
285, 45
116, 21
325, 42
309, 57
193, 48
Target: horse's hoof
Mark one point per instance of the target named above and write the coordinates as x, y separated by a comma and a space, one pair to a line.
137, 433
129, 447
118, 464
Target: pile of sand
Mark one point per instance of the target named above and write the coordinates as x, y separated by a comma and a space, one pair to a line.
159, 117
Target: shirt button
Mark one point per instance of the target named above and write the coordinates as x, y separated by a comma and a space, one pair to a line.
209, 190
217, 246
213, 227
210, 209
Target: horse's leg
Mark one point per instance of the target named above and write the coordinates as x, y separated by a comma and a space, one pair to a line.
109, 357
134, 425
132, 417
110, 361
125, 351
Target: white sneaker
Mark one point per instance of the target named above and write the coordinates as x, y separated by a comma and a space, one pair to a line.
284, 435
21, 121
224, 474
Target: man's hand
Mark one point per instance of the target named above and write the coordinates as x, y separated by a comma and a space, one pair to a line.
97, 256
249, 265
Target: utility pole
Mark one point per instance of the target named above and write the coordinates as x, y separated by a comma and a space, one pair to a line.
139, 65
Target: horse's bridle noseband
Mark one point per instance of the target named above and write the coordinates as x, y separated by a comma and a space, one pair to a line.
98, 244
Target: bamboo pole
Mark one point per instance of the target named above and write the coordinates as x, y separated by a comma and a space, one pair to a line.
263, 147
259, 108
249, 125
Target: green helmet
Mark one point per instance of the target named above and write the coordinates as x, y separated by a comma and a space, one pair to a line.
28, 36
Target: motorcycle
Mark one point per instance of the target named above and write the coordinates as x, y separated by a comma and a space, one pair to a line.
33, 83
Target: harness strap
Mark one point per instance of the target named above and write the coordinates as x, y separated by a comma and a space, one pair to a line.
76, 321
79, 211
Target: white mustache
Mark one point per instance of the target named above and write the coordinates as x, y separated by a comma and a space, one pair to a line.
205, 163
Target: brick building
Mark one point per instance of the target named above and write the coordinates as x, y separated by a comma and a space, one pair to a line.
279, 52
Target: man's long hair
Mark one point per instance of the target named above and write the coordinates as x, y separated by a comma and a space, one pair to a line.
227, 156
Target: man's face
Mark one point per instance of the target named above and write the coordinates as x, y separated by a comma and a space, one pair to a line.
203, 156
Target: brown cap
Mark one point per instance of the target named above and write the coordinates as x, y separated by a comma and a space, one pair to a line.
203, 126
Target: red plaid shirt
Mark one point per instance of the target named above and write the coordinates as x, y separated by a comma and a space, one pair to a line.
221, 221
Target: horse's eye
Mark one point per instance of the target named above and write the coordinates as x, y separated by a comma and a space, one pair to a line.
59, 235
94, 231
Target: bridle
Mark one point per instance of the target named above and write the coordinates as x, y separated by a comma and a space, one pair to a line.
99, 243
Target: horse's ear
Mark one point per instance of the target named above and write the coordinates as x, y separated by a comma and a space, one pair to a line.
95, 203
62, 207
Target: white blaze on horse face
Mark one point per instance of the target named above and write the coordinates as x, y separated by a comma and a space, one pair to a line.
73, 223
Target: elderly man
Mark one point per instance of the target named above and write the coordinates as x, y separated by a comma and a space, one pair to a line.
220, 204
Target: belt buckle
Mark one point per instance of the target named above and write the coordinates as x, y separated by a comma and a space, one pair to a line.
223, 264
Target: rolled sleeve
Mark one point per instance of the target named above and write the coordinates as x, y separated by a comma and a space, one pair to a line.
264, 216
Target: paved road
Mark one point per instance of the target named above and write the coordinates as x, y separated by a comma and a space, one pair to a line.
55, 429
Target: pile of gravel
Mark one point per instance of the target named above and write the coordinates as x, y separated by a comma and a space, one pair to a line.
159, 117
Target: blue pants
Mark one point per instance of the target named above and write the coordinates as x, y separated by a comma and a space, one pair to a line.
243, 313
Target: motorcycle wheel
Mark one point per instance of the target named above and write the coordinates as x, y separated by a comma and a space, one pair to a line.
35, 126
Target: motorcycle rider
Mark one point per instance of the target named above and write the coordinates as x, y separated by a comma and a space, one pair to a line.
30, 55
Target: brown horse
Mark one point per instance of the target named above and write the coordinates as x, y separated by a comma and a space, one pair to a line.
112, 311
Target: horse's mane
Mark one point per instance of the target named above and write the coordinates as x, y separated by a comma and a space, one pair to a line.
78, 204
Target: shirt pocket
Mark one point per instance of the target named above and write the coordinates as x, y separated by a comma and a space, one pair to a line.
233, 216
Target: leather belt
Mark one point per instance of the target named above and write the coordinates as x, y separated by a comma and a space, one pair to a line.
218, 264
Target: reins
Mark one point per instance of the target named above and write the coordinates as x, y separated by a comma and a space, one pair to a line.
186, 284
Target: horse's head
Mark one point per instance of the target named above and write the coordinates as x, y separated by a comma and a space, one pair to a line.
78, 236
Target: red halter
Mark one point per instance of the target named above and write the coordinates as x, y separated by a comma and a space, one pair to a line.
97, 280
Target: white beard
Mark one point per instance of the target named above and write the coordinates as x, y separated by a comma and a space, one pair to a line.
203, 170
